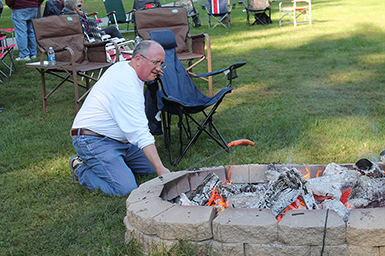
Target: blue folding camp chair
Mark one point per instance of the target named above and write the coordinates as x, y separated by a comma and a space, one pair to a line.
220, 11
180, 96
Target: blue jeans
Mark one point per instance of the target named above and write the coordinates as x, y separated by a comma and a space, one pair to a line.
109, 165
25, 36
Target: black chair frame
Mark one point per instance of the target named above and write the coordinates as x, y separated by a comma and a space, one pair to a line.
187, 112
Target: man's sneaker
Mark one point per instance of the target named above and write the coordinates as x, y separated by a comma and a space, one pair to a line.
74, 162
33, 56
26, 58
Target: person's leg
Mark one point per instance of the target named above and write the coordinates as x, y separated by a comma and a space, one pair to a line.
32, 46
112, 31
137, 161
103, 165
20, 25
25, 36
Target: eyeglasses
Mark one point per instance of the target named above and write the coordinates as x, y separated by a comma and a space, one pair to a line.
156, 63
79, 5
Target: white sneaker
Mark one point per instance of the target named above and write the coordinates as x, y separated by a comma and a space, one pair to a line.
33, 56
26, 58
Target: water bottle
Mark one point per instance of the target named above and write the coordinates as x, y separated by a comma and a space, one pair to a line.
51, 57
137, 40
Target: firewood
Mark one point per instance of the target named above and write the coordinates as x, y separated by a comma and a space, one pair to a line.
202, 193
282, 192
367, 193
368, 168
285, 190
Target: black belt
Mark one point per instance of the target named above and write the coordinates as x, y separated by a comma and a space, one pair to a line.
76, 132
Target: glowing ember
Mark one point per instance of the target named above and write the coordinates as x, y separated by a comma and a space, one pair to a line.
216, 200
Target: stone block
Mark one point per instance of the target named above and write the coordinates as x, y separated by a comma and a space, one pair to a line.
141, 214
143, 193
163, 179
152, 188
130, 230
306, 227
239, 174
227, 249
363, 251
174, 188
382, 248
196, 177
276, 250
257, 173
340, 250
245, 225
147, 244
366, 227
192, 223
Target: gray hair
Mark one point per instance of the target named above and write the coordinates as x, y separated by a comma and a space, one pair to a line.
70, 4
143, 47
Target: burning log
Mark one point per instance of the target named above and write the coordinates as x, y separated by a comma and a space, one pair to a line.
334, 182
285, 190
367, 193
338, 207
183, 200
368, 168
203, 192
244, 195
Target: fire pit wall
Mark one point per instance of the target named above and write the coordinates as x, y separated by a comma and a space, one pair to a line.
156, 223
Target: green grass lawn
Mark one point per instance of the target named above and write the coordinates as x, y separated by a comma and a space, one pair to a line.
307, 95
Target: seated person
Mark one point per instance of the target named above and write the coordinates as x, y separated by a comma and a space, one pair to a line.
73, 7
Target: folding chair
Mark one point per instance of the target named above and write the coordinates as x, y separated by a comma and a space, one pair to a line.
191, 48
6, 50
258, 9
9, 31
220, 11
180, 96
120, 55
116, 48
191, 11
73, 57
294, 9
117, 15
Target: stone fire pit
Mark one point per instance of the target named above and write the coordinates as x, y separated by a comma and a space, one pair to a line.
157, 223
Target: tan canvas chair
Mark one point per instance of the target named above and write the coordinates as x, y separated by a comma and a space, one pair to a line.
191, 48
73, 57
257, 9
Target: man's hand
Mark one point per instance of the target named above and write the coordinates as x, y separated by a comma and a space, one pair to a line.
152, 156
162, 171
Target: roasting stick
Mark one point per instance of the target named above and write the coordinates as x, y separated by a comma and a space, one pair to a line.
242, 142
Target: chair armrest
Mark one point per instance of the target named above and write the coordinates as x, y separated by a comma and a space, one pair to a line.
197, 44
204, 6
129, 12
228, 70
72, 53
95, 44
92, 14
110, 13
242, 2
